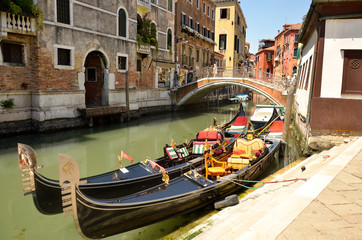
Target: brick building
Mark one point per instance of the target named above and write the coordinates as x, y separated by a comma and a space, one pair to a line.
264, 59
286, 47
80, 59
194, 35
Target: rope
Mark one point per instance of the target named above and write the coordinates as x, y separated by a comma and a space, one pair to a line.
263, 183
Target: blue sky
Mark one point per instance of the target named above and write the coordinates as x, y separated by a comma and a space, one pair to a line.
265, 17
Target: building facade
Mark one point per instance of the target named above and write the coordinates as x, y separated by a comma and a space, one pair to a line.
74, 62
286, 47
329, 88
194, 36
230, 29
264, 59
155, 31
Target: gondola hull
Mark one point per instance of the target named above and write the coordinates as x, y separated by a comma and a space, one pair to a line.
97, 218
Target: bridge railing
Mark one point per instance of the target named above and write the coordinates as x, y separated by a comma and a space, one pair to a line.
242, 72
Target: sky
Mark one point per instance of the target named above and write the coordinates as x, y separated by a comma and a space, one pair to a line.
265, 17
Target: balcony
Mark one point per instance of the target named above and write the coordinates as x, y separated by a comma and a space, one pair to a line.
12, 23
144, 48
143, 6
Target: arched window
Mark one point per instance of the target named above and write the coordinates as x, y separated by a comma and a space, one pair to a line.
169, 39
122, 23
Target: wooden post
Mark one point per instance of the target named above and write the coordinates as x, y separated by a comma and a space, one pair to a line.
288, 112
127, 98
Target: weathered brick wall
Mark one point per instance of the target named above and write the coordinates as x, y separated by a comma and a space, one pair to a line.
20, 77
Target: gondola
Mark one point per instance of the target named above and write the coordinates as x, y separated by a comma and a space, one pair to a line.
99, 218
124, 181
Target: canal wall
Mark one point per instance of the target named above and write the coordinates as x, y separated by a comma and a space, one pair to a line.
41, 111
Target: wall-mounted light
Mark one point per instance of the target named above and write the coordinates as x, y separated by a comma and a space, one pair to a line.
184, 39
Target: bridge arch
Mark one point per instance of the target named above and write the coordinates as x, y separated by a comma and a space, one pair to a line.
202, 89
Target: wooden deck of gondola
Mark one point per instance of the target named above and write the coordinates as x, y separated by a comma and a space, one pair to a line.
297, 210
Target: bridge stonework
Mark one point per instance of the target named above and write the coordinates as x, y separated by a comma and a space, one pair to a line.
276, 94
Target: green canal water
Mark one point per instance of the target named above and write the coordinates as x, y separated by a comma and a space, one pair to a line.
96, 151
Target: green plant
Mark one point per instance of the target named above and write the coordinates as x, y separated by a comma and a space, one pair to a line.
170, 50
7, 103
146, 32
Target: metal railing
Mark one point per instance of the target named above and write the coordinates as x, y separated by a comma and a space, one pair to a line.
271, 80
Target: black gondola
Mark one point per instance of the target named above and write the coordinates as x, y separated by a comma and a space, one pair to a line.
99, 218
136, 177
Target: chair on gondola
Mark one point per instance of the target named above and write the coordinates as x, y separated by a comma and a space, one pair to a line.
214, 168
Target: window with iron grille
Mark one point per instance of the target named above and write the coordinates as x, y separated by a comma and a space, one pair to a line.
122, 63
64, 57
13, 53
63, 11
122, 23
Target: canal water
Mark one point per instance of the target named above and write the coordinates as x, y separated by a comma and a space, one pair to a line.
96, 151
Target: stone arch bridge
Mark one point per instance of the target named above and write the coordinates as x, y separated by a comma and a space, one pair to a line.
271, 87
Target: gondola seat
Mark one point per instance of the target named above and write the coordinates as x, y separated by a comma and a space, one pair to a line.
171, 153
244, 151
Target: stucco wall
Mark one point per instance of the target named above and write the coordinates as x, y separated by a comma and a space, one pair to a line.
341, 34
302, 94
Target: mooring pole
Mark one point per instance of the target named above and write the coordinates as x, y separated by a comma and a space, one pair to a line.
288, 112
127, 98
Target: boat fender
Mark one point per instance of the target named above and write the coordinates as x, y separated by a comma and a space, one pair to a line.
227, 202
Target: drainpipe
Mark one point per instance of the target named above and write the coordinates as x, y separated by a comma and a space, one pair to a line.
127, 98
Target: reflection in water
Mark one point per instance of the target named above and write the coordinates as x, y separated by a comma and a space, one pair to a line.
96, 151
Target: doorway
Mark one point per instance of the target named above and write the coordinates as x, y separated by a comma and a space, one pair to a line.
94, 78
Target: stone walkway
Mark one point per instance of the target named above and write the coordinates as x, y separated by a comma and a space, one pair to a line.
328, 205
336, 213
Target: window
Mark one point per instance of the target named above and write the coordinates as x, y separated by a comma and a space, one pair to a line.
352, 72
190, 1
198, 27
235, 42
122, 23
222, 41
154, 2
208, 11
212, 14
139, 65
64, 57
170, 5
191, 23
169, 39
122, 62
197, 55
91, 74
224, 13
63, 11
183, 19
13, 53
295, 52
213, 36
204, 7
197, 4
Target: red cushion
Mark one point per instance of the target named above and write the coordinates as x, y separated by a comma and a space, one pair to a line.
238, 152
277, 126
207, 135
203, 143
241, 121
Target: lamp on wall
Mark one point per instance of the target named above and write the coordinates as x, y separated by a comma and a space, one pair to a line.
182, 39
